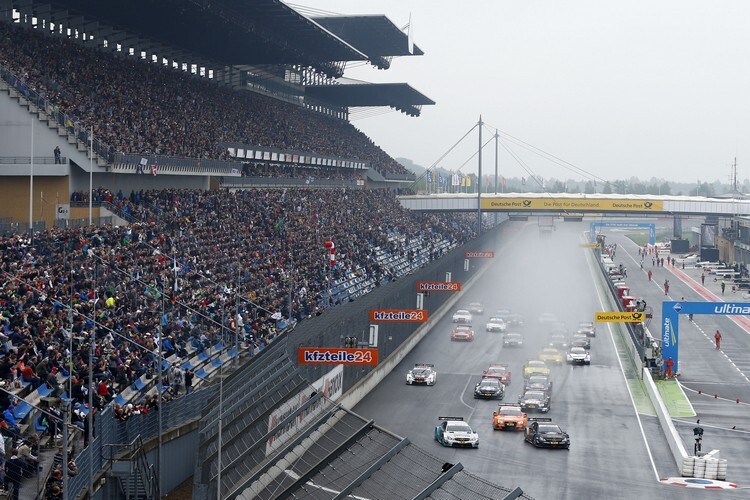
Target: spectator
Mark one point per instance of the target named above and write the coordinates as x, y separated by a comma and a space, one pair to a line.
14, 473
106, 85
58, 155
188, 381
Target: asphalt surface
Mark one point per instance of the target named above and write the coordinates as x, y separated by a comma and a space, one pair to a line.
704, 371
615, 453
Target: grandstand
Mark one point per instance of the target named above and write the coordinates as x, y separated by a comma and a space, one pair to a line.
182, 163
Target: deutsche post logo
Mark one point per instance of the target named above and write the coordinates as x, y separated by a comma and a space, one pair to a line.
648, 204
526, 203
637, 316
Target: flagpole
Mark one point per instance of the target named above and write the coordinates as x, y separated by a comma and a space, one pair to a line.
31, 183
91, 174
497, 161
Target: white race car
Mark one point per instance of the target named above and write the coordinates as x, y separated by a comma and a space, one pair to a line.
422, 373
578, 356
476, 308
462, 316
453, 431
495, 324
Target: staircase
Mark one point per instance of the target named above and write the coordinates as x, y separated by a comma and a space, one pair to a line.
136, 477
60, 123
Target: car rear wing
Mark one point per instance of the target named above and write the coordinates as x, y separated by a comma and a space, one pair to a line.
539, 419
423, 365
457, 419
514, 405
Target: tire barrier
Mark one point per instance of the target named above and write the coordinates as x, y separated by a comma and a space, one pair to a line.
708, 466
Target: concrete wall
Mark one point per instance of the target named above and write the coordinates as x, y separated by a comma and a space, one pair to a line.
14, 201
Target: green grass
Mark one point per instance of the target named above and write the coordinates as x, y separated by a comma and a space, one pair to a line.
637, 389
675, 400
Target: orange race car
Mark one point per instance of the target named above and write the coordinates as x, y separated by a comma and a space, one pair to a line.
508, 416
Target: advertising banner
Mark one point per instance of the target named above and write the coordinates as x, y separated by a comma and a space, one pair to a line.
620, 317
331, 385
577, 204
479, 255
399, 315
336, 356
438, 286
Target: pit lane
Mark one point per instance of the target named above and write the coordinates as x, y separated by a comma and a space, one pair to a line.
532, 274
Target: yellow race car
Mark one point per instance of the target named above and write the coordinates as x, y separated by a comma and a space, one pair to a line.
552, 355
535, 367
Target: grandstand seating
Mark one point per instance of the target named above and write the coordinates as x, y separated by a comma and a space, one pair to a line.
107, 85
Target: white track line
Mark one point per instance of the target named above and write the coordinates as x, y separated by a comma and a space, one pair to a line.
597, 283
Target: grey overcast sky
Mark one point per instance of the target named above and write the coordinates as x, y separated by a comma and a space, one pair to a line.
645, 88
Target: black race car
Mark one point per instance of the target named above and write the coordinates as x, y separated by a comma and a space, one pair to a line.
534, 401
489, 388
538, 383
583, 338
542, 433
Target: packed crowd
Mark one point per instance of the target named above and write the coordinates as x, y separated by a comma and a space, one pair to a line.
182, 269
308, 173
145, 108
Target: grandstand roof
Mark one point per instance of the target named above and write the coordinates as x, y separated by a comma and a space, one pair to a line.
375, 35
228, 31
401, 96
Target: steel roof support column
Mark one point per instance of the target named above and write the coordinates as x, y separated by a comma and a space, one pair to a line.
439, 482
327, 459
372, 469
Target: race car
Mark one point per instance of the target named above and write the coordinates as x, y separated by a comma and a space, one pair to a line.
581, 336
538, 383
422, 373
535, 367
515, 320
508, 416
551, 355
579, 343
495, 325
489, 388
462, 316
541, 432
547, 319
453, 431
476, 308
588, 328
503, 314
534, 401
498, 371
513, 339
462, 332
578, 356
558, 340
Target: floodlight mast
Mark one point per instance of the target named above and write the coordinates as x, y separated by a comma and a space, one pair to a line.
479, 181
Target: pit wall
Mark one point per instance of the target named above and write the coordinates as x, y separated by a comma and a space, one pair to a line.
676, 445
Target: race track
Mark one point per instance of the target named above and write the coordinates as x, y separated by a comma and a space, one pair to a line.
533, 274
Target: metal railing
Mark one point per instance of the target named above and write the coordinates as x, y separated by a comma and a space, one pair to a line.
26, 160
44, 105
